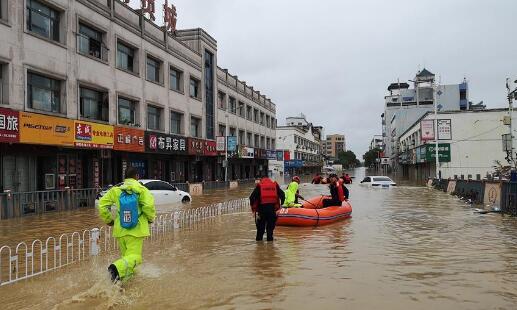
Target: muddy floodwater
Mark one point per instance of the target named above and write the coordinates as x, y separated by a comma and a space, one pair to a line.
408, 247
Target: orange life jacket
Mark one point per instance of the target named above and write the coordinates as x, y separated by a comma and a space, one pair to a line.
340, 191
268, 195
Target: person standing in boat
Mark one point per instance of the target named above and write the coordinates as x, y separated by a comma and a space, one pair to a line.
316, 179
338, 192
265, 200
292, 194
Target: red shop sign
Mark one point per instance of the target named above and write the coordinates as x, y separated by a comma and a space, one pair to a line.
9, 125
202, 147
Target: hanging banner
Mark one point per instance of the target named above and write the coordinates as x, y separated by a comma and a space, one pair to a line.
444, 129
93, 135
156, 142
9, 126
232, 144
427, 129
44, 129
129, 139
221, 144
280, 155
201, 147
287, 155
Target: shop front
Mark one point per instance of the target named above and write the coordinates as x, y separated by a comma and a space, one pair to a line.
167, 157
202, 160
129, 148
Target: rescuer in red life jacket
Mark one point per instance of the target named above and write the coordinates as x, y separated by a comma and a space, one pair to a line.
338, 191
265, 200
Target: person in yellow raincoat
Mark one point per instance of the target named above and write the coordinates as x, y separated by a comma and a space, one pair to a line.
130, 240
292, 195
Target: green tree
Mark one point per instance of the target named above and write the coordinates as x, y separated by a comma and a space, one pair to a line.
371, 156
347, 159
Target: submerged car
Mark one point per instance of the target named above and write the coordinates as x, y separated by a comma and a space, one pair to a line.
378, 181
163, 192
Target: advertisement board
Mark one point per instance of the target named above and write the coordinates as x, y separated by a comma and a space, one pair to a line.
201, 147
129, 139
280, 155
271, 154
9, 126
444, 152
157, 142
232, 144
247, 152
43, 129
93, 135
444, 129
294, 163
427, 129
221, 144
287, 155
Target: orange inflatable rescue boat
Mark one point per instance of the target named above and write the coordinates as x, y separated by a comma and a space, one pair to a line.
312, 213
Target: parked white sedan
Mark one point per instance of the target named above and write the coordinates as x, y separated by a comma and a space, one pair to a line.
378, 181
163, 192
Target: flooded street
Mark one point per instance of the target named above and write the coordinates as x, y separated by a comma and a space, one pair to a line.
404, 248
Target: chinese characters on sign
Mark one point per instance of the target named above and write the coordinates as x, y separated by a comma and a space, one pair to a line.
202, 147
43, 129
444, 129
170, 17
164, 143
221, 144
93, 135
129, 139
427, 129
9, 129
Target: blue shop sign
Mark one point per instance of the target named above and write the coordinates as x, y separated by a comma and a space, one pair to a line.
271, 155
293, 163
232, 144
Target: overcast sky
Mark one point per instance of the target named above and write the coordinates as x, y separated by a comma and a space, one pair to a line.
333, 59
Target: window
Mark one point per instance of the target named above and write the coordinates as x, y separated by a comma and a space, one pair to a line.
249, 115
256, 115
176, 123
89, 42
175, 79
249, 137
222, 131
195, 127
241, 110
159, 186
221, 100
242, 137
194, 88
42, 20
3, 10
261, 118
268, 121
273, 123
153, 70
126, 57
273, 144
94, 104
127, 112
232, 132
44, 93
4, 98
233, 105
154, 116
257, 141
268, 143
262, 142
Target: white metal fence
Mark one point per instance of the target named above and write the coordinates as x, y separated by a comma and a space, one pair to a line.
29, 260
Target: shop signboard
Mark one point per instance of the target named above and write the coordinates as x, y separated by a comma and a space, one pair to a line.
444, 152
156, 142
271, 155
232, 144
444, 129
280, 155
293, 163
9, 126
201, 147
221, 144
427, 129
93, 135
129, 139
260, 154
247, 152
44, 129
287, 155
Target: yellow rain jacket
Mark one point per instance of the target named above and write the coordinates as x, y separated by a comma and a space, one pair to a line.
146, 209
290, 196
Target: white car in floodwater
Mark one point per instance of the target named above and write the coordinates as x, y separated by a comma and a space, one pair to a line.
163, 192
378, 182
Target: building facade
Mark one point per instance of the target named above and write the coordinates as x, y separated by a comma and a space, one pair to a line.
300, 143
377, 142
92, 87
469, 143
404, 106
333, 144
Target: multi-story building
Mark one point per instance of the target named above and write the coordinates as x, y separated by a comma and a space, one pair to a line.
301, 143
469, 144
377, 142
404, 106
334, 144
90, 87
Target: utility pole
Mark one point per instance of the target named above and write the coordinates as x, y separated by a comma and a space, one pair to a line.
227, 129
511, 95
438, 92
